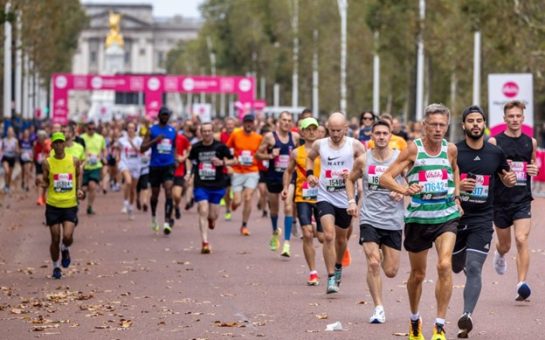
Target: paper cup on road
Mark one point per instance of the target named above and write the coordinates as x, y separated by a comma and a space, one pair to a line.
336, 326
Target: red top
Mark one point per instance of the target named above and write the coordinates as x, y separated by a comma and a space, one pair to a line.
182, 146
224, 137
41, 151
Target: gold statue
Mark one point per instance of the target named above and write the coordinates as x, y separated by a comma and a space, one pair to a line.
114, 36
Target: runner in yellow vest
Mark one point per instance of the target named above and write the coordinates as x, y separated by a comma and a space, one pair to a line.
63, 184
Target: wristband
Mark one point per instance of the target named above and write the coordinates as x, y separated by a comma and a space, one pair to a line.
352, 201
457, 197
310, 172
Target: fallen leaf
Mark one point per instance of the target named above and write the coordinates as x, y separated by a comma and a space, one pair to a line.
362, 302
16, 311
125, 323
400, 334
322, 316
227, 324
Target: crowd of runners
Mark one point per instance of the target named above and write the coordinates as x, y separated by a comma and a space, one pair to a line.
417, 191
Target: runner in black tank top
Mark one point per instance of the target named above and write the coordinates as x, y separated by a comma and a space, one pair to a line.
513, 205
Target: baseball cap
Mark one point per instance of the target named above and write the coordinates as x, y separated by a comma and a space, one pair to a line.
248, 118
305, 123
56, 136
472, 109
165, 111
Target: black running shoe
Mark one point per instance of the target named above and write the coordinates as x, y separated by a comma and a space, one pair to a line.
65, 262
57, 273
177, 213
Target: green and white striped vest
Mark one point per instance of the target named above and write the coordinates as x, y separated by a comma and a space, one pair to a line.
435, 203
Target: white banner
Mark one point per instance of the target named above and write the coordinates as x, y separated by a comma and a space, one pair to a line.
503, 88
204, 111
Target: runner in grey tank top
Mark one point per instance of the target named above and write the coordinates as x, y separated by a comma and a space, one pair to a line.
381, 215
337, 154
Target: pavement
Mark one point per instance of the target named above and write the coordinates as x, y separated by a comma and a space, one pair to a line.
127, 282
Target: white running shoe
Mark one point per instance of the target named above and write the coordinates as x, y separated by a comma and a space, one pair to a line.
378, 316
499, 263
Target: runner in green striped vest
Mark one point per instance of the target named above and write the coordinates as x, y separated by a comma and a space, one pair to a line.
433, 213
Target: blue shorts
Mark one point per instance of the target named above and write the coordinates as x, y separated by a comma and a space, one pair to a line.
213, 196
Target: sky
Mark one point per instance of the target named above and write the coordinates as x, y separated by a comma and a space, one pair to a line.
162, 8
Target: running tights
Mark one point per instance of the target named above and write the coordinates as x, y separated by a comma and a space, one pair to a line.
472, 290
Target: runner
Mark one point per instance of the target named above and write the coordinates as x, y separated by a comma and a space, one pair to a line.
245, 144
41, 151
95, 148
381, 217
142, 188
62, 180
433, 213
10, 151
209, 158
71, 147
513, 205
480, 163
129, 165
337, 154
161, 139
305, 196
182, 151
25, 159
276, 147
230, 124
396, 142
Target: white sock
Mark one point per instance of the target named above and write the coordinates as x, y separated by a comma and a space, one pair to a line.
379, 307
415, 317
313, 272
125, 203
440, 321
63, 247
56, 264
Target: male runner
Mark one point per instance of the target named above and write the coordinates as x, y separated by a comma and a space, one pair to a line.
337, 154
244, 144
41, 150
209, 158
230, 124
513, 205
95, 148
305, 196
381, 218
480, 163
276, 147
433, 213
62, 181
161, 139
183, 146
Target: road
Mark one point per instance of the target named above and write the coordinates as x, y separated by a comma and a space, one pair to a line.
127, 282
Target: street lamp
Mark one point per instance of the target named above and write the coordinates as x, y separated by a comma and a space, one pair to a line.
343, 5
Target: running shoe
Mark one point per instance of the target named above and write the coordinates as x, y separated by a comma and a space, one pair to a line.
177, 213
40, 201
145, 208
286, 250
347, 259
57, 273
499, 263
523, 291
125, 209
222, 202
465, 324
189, 204
331, 285
338, 276
228, 216
138, 205
264, 214
211, 224
130, 213
167, 228
439, 332
205, 249
294, 230
378, 315
154, 225
90, 210
313, 280
65, 261
244, 231
275, 241
415, 330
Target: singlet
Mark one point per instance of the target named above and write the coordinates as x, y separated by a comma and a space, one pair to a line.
130, 155
162, 153
303, 191
62, 182
334, 162
10, 147
518, 152
279, 164
26, 150
244, 147
93, 147
435, 203
378, 208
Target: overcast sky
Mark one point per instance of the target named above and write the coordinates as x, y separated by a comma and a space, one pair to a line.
162, 8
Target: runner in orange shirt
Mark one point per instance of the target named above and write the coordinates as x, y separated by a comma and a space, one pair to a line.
244, 144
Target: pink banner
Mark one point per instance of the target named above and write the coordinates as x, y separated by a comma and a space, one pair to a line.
153, 86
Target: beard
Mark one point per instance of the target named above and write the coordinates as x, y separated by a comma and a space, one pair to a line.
473, 136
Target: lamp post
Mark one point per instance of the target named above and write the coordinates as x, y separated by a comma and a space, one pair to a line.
420, 64
343, 5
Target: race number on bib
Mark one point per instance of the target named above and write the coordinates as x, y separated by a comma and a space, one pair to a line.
308, 192
434, 184
334, 180
480, 192
246, 158
26, 156
519, 168
62, 182
165, 146
281, 163
92, 159
373, 176
207, 171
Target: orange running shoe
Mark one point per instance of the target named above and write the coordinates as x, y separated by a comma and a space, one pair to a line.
205, 248
244, 231
40, 201
347, 259
211, 224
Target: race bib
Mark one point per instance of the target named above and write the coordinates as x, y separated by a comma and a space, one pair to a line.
480, 192
92, 159
165, 146
281, 163
207, 171
373, 176
26, 156
308, 192
334, 180
246, 158
434, 184
131, 152
519, 168
40, 158
62, 182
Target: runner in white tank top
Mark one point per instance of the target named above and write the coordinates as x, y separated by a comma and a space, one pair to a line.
337, 154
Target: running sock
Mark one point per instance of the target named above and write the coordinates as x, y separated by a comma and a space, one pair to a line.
338, 266
168, 209
244, 224
472, 289
313, 272
126, 203
153, 203
288, 223
415, 317
440, 322
56, 264
63, 247
274, 222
